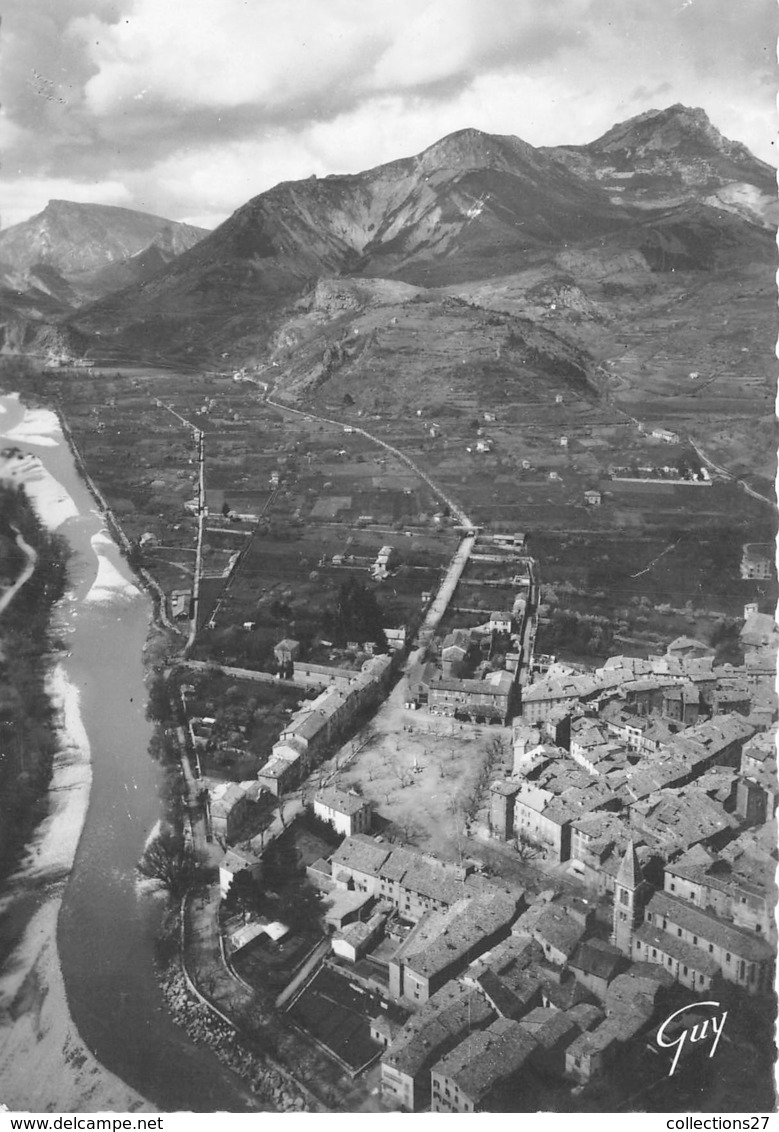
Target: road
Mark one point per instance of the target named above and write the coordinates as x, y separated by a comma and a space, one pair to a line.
26, 574
454, 508
729, 475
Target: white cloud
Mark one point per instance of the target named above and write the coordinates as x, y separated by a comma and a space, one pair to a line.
190, 107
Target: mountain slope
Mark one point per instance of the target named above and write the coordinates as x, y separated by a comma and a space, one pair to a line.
672, 156
78, 238
470, 207
456, 206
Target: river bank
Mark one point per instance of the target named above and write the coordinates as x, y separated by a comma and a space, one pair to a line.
44, 1064
78, 931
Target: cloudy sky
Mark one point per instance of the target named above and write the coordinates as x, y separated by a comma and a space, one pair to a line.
188, 108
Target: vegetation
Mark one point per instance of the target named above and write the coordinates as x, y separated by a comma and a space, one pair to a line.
171, 861
27, 739
357, 616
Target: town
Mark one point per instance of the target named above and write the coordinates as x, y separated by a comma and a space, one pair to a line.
476, 877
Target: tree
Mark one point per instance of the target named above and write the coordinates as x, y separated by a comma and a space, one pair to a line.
243, 895
158, 708
171, 861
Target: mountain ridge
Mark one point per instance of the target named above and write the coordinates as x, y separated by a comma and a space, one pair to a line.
470, 206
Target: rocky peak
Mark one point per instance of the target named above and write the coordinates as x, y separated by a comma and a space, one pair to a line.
676, 128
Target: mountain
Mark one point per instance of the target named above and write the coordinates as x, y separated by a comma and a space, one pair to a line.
71, 254
469, 204
663, 191
78, 238
673, 156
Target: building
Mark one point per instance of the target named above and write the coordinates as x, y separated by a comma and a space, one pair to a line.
347, 811
456, 647
733, 884
558, 934
738, 955
286, 651
593, 498
353, 940
181, 604
631, 892
500, 622
595, 963
463, 1079
757, 561
444, 941
231, 806
441, 1024
490, 699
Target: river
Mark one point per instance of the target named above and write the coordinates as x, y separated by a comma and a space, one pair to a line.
107, 921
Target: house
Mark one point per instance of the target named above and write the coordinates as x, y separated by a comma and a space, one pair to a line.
689, 647
455, 649
437, 1027
757, 561
500, 622
354, 940
230, 806
558, 934
387, 560
444, 941
734, 884
595, 963
396, 638
284, 769
479, 700
630, 1003
286, 651
666, 435
463, 1079
180, 604
593, 498
345, 810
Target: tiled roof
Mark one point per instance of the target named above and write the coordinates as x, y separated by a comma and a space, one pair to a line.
342, 801
448, 1015
361, 853
709, 929
486, 1058
677, 949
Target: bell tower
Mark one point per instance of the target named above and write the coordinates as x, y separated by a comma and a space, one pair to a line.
631, 893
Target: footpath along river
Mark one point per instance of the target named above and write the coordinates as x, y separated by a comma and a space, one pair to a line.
78, 878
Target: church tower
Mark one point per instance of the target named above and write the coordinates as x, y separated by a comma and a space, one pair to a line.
631, 893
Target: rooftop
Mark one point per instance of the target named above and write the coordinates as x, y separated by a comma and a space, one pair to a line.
709, 929
342, 801
449, 1014
486, 1058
